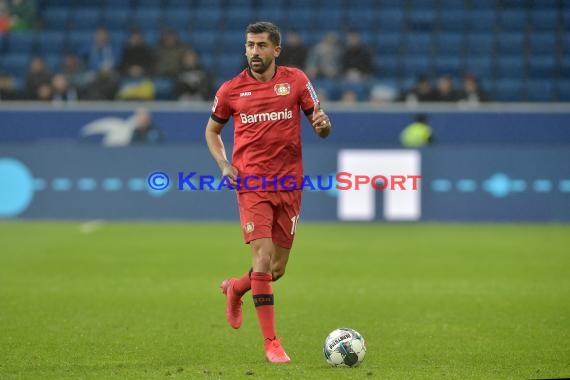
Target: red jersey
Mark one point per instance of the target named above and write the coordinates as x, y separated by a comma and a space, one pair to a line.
267, 123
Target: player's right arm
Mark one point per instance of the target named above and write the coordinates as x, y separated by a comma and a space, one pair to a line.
218, 151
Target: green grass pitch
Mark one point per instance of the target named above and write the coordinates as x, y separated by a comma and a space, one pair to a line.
141, 301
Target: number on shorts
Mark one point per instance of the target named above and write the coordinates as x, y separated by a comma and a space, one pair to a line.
294, 221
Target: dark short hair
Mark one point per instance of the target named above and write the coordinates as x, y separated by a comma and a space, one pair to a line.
265, 27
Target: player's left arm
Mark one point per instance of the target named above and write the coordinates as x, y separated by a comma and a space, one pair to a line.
308, 99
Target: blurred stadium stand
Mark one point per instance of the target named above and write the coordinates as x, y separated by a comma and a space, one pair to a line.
519, 49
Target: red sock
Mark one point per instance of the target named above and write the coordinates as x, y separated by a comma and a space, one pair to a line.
263, 301
243, 284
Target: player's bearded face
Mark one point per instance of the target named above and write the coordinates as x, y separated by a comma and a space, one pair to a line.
260, 52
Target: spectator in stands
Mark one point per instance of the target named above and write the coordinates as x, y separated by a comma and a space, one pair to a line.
324, 60
7, 87
169, 54
421, 92
418, 133
105, 85
75, 72
62, 91
356, 58
294, 53
445, 91
136, 86
137, 52
5, 21
193, 82
23, 14
145, 131
43, 93
101, 53
472, 92
37, 75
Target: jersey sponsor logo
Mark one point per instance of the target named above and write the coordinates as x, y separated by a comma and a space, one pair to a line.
215, 105
312, 92
282, 89
286, 114
246, 93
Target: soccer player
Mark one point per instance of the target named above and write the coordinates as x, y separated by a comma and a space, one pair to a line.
265, 101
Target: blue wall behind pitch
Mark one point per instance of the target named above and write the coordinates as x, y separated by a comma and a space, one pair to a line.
350, 128
471, 183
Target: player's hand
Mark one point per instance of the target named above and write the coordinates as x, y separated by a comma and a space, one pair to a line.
230, 172
321, 122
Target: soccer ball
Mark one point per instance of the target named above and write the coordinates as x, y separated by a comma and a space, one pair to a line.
344, 347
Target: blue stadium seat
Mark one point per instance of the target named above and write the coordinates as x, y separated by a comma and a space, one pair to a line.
451, 5
86, 18
238, 17
453, 21
511, 43
540, 90
163, 89
21, 42
419, 44
300, 18
417, 65
421, 20
480, 44
387, 66
233, 41
151, 37
147, 19
451, 65
513, 20
333, 17
203, 41
542, 66
56, 18
360, 88
177, 4
482, 66
423, 5
50, 41
390, 21
275, 15
116, 19
450, 44
544, 20
54, 61
148, 4
177, 18
566, 45
80, 41
121, 4
564, 90
388, 43
508, 67
208, 19
362, 19
482, 20
327, 89
545, 4
485, 4
201, 5
543, 43
15, 63
509, 90
229, 65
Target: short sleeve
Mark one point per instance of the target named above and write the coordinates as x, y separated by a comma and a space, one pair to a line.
221, 110
309, 96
